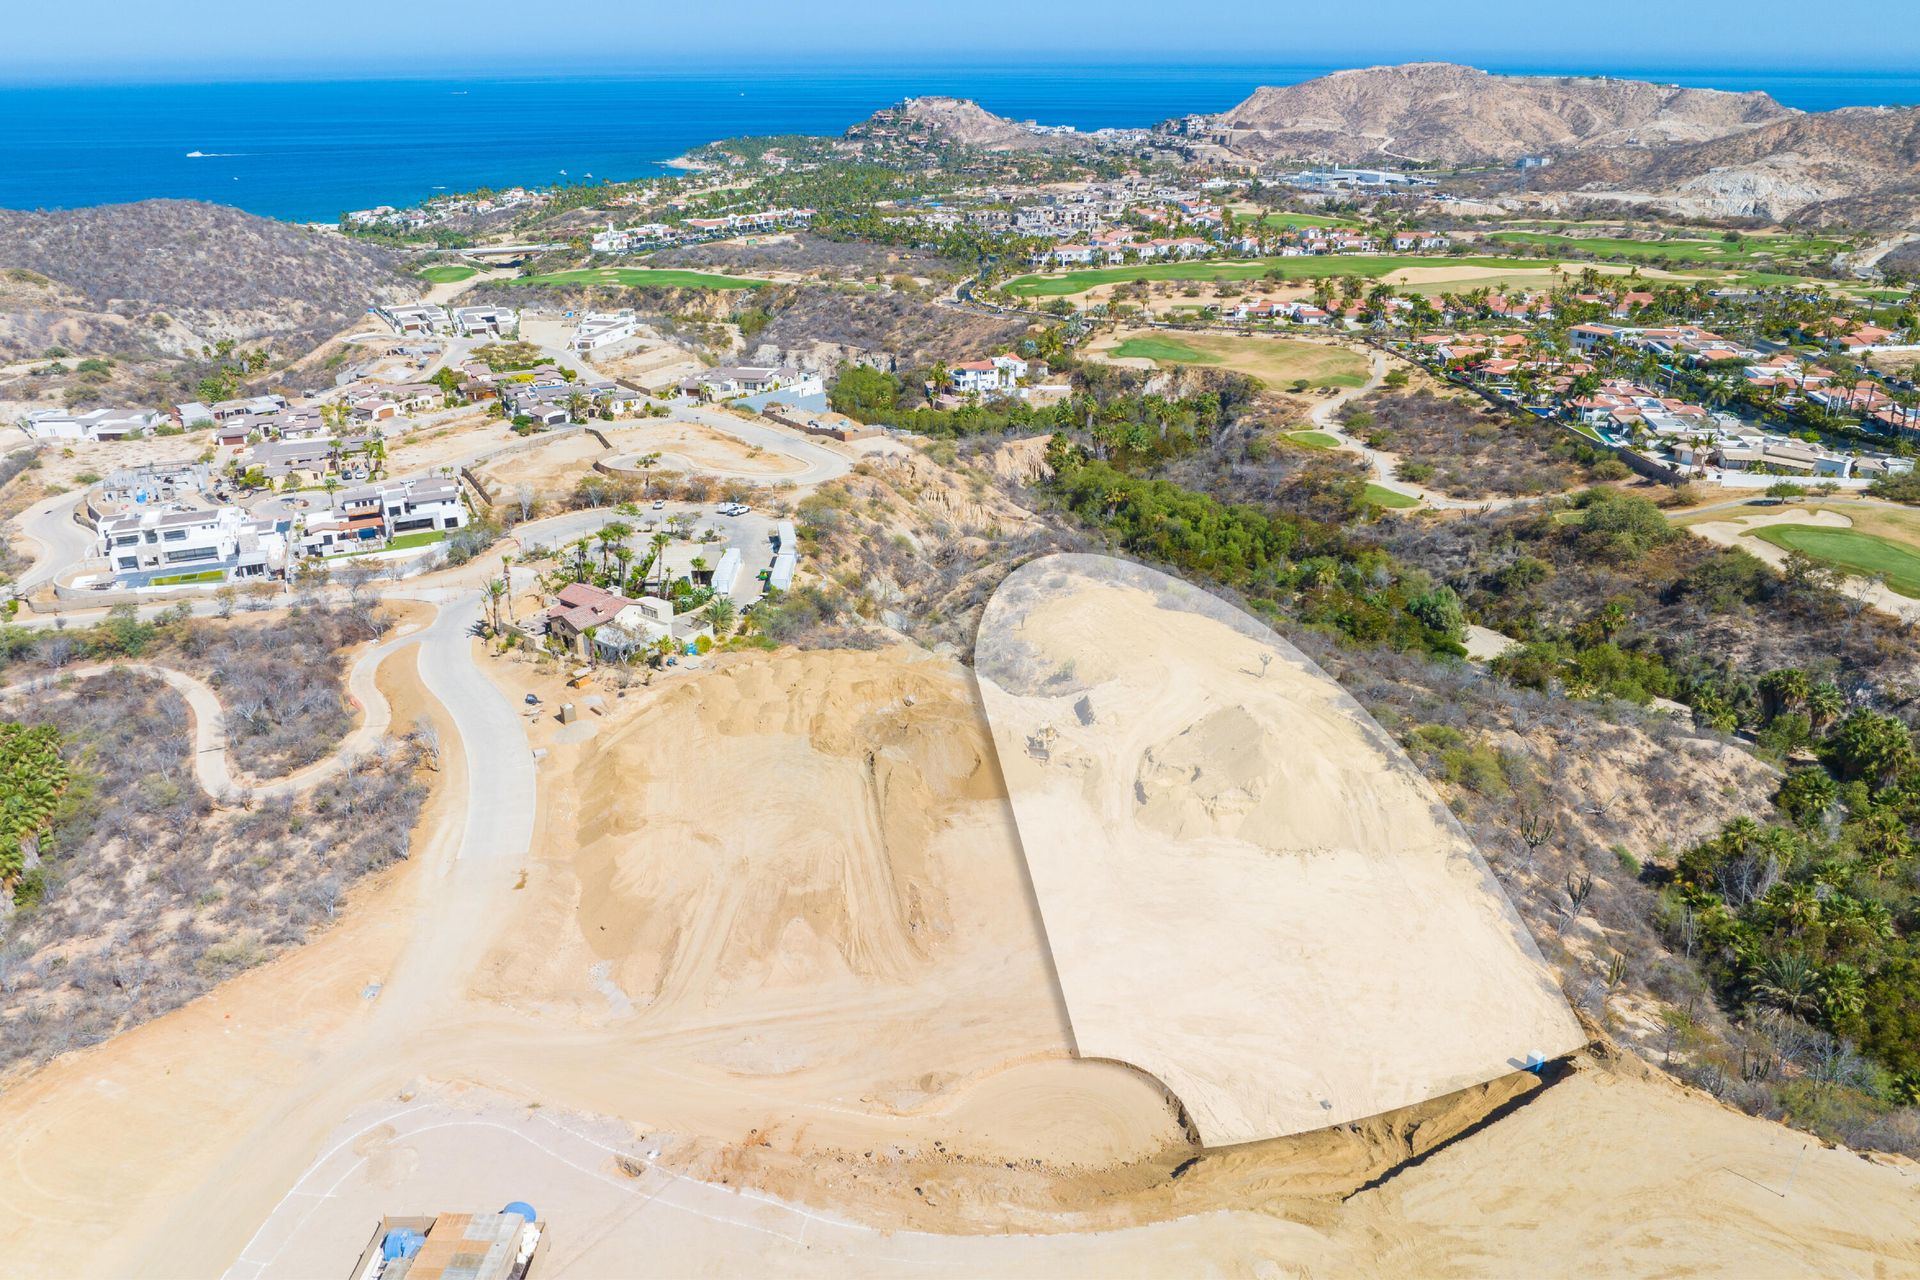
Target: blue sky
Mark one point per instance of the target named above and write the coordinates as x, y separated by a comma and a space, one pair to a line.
256, 39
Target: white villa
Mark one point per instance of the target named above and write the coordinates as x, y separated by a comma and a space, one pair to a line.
94, 424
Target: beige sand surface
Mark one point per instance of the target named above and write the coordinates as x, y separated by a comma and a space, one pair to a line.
449, 444
550, 470
1249, 892
691, 446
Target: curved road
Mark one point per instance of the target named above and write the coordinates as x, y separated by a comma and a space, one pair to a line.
64, 542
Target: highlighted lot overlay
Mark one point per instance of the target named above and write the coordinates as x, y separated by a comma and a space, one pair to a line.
1248, 890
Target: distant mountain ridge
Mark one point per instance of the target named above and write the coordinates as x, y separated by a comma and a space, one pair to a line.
1439, 111
1703, 152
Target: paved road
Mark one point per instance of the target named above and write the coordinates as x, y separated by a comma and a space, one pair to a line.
468, 867
63, 542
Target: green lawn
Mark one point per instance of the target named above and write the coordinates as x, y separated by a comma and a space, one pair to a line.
1315, 440
1855, 552
643, 277
1314, 267
1163, 349
1718, 252
1381, 496
187, 579
418, 538
1294, 221
448, 274
405, 542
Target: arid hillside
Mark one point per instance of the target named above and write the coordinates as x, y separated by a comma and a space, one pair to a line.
168, 276
1859, 165
1440, 111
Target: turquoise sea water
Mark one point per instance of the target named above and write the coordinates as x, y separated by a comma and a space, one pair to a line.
311, 149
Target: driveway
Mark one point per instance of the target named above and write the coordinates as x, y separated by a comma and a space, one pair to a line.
64, 543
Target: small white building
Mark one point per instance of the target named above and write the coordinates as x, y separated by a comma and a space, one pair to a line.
727, 573
602, 329
781, 577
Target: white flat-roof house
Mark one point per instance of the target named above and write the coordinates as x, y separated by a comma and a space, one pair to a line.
395, 399
415, 319
244, 406
603, 328
383, 511
155, 544
192, 414
486, 322
729, 381
94, 424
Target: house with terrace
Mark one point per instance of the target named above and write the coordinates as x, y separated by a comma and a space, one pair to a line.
373, 515
414, 320
174, 545
485, 322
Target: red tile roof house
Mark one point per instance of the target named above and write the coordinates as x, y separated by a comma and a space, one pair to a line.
582, 607
1867, 337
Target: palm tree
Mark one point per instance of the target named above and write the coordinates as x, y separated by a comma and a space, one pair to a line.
496, 592
646, 462
1825, 704
1788, 982
659, 543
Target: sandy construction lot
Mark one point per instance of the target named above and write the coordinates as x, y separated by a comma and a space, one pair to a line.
548, 471
1249, 891
690, 446
449, 444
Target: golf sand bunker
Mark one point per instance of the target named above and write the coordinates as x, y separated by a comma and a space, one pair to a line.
1248, 890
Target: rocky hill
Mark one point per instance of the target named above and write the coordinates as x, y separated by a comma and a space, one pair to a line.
953, 122
1858, 166
169, 276
1452, 114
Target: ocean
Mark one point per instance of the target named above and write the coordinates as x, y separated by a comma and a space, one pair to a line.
309, 150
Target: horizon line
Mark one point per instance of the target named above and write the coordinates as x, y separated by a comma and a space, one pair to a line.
330, 72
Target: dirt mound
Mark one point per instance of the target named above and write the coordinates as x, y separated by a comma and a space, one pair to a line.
681, 892
1858, 161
